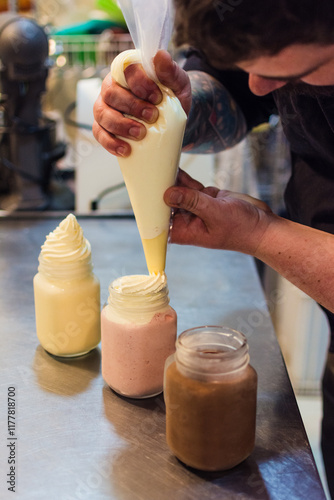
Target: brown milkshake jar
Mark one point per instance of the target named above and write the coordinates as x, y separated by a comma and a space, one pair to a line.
210, 394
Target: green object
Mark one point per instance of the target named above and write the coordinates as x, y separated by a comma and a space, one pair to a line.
92, 27
112, 9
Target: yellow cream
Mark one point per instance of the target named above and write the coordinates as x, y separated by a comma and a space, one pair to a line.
155, 252
67, 294
66, 244
151, 167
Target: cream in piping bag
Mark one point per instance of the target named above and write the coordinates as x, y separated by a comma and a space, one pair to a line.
152, 166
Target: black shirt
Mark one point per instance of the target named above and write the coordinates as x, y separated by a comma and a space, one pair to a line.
307, 115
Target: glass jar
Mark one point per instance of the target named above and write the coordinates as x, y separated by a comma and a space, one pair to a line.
138, 333
67, 307
210, 394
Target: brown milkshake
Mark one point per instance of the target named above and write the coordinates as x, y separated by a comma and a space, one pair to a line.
210, 409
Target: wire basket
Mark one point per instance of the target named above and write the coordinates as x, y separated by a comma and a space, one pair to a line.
87, 50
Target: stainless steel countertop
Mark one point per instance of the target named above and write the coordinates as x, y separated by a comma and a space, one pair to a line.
76, 439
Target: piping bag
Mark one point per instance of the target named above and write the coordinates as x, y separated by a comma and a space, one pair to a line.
152, 165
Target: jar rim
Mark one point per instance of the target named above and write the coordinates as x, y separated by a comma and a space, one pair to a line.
139, 300
68, 270
221, 331
211, 352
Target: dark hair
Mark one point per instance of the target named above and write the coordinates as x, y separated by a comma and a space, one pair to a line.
228, 31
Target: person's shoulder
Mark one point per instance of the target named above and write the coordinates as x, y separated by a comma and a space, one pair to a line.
298, 90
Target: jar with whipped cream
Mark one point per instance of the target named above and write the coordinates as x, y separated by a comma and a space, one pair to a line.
210, 394
138, 330
67, 293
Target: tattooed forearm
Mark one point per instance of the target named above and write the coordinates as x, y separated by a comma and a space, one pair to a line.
215, 121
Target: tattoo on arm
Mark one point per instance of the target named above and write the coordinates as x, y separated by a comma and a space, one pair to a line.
215, 121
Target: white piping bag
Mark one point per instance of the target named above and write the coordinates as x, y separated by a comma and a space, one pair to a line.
152, 165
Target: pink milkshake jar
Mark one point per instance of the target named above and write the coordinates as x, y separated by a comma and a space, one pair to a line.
138, 333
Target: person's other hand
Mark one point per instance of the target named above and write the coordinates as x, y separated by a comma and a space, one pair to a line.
139, 101
209, 217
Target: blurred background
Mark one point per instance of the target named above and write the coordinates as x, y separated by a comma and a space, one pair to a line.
54, 55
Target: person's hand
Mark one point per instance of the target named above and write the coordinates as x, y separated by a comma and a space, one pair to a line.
139, 101
208, 217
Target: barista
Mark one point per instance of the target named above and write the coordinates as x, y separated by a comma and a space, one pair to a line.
239, 75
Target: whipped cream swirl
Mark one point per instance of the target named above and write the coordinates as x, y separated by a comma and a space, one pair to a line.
66, 243
66, 253
140, 284
137, 298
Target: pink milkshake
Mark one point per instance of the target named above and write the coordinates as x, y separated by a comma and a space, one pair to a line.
138, 334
